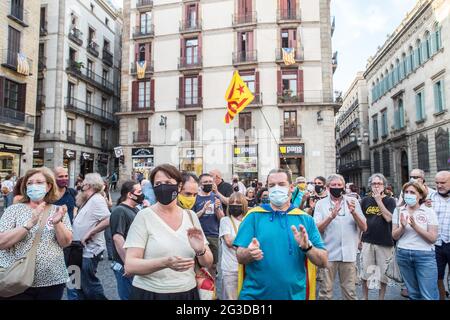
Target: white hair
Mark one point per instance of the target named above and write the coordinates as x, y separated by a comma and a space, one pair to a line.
335, 176
95, 181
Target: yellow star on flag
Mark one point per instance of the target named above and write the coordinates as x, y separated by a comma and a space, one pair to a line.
238, 96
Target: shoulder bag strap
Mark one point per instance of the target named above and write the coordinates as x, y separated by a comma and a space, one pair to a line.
37, 238
234, 225
81, 207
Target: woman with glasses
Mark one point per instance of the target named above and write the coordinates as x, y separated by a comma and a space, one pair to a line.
251, 197
163, 242
36, 218
415, 228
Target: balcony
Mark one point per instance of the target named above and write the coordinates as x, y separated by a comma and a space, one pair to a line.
42, 63
290, 132
89, 140
16, 118
142, 137
107, 57
144, 4
241, 135
17, 15
75, 35
348, 147
189, 104
298, 55
92, 48
10, 60
290, 97
257, 101
141, 106
71, 137
43, 31
353, 125
334, 61
288, 16
77, 69
190, 63
244, 20
190, 26
354, 166
144, 32
148, 68
40, 102
89, 111
245, 57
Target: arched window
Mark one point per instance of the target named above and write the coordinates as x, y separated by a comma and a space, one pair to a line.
391, 76
419, 59
422, 153
427, 47
410, 64
397, 71
437, 36
403, 66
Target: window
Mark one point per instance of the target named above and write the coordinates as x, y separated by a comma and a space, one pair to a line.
106, 45
289, 81
190, 122
399, 118
143, 52
13, 45
439, 102
17, 9
40, 87
72, 55
427, 48
88, 130
249, 80
92, 7
442, 149
411, 60
376, 161
289, 38
245, 43
90, 68
422, 153
104, 76
191, 51
42, 21
418, 54
191, 90
437, 38
420, 106
88, 100
11, 98
384, 124
146, 22
70, 127
107, 21
386, 163
103, 136
191, 15
104, 107
70, 92
142, 135
245, 121
375, 127
144, 94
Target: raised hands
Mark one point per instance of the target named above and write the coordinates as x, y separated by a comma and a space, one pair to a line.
301, 236
196, 240
255, 251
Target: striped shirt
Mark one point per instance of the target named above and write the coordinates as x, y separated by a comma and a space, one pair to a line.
441, 206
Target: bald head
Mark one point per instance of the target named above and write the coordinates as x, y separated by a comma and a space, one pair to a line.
443, 182
60, 171
418, 175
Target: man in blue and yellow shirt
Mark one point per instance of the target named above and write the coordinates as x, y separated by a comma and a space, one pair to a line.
276, 244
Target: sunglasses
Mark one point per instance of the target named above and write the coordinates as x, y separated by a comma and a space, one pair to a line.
415, 177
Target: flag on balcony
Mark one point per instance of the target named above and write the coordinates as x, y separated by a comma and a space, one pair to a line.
141, 66
22, 64
238, 96
288, 56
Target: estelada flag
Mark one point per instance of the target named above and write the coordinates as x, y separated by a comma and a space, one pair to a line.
238, 96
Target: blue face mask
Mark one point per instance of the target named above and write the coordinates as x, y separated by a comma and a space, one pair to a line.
410, 199
36, 192
279, 195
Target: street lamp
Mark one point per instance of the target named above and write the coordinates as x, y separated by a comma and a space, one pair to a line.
360, 138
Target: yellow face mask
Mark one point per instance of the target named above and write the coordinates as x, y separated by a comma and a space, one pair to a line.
186, 202
302, 186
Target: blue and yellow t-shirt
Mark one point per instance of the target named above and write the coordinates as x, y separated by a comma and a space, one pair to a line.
282, 273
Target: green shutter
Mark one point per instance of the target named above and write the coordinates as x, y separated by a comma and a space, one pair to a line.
418, 107
436, 97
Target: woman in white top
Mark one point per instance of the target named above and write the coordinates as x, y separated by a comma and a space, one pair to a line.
162, 244
229, 226
415, 227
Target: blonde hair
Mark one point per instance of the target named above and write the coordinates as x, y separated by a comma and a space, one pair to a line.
239, 198
52, 194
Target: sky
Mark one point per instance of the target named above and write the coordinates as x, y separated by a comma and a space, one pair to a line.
362, 26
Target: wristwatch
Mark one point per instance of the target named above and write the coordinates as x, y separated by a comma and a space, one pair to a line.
310, 245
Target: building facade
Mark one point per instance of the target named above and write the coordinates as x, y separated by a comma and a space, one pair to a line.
19, 20
409, 95
352, 134
78, 86
174, 78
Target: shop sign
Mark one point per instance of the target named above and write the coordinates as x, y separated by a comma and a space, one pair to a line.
13, 148
70, 154
292, 150
141, 152
246, 151
38, 153
86, 156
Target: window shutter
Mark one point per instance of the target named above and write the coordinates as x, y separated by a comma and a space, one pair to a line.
433, 43
436, 97
134, 95
199, 48
22, 97
1, 90
279, 83
152, 94
136, 52
148, 53
300, 92
250, 43
257, 88
181, 91
182, 48
293, 11
418, 107
138, 21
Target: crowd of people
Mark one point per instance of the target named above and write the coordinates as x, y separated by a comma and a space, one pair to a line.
281, 239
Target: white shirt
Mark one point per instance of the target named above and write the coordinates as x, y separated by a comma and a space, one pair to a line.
242, 188
91, 214
411, 240
341, 236
441, 206
149, 232
9, 184
229, 261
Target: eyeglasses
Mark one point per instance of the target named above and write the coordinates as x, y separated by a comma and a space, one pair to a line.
415, 177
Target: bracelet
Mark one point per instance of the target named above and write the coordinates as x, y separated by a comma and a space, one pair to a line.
201, 254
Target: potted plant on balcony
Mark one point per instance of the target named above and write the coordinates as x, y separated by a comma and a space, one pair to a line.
78, 65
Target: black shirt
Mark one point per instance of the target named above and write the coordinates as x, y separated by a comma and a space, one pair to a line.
379, 231
226, 190
120, 222
68, 199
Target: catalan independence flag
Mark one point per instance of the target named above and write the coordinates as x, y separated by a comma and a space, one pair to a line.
238, 96
288, 56
22, 64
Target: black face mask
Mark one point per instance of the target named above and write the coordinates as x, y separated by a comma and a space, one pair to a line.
265, 200
207, 188
337, 192
235, 209
139, 198
318, 189
166, 193
445, 195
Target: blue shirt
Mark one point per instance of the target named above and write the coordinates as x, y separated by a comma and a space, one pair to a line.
298, 197
68, 199
210, 223
281, 274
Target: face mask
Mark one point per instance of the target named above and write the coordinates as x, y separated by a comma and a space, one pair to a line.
166, 193
62, 183
279, 195
207, 188
302, 186
36, 192
336, 192
412, 180
318, 189
410, 199
235, 210
445, 195
139, 198
265, 200
186, 202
